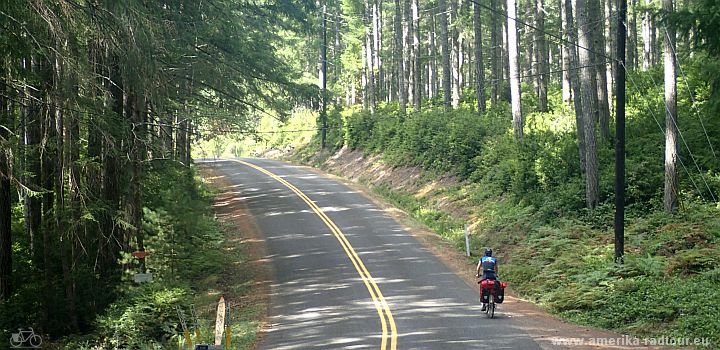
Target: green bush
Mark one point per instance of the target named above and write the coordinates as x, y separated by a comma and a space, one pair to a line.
145, 317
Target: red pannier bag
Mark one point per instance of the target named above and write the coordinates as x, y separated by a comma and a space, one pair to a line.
487, 285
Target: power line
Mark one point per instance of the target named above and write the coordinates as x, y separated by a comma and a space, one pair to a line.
692, 98
562, 40
662, 130
682, 137
692, 156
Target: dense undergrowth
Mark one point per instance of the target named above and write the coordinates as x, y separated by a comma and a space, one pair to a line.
189, 256
526, 200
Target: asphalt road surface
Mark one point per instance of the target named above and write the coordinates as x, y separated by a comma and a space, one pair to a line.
347, 276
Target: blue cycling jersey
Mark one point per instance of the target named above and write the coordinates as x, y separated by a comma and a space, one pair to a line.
488, 263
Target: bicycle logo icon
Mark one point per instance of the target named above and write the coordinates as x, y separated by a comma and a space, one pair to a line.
25, 339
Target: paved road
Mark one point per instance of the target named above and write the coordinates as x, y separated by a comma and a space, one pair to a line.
347, 276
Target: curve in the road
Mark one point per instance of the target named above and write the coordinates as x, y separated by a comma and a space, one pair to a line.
389, 328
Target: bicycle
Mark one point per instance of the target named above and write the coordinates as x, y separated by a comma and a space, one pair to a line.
492, 298
490, 308
25, 337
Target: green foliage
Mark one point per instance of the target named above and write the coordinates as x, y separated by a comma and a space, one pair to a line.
186, 257
145, 317
423, 211
675, 307
526, 199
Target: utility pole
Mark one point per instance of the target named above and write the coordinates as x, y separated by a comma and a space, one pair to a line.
323, 79
620, 135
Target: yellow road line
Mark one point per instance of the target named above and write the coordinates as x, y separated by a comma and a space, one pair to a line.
383, 310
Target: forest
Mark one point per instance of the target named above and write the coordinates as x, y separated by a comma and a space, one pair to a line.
103, 105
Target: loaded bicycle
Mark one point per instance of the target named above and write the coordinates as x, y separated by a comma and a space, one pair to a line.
492, 292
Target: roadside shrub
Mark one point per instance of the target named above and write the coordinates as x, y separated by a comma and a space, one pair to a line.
144, 317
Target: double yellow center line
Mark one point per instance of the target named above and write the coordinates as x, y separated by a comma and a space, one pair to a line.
383, 310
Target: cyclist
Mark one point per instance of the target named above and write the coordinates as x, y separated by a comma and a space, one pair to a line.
488, 264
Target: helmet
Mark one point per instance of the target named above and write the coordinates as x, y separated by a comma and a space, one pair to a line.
488, 252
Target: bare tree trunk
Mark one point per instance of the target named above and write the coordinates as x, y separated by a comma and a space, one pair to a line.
380, 81
610, 44
496, 55
31, 174
432, 53
528, 37
647, 38
61, 223
632, 47
181, 135
6, 121
75, 226
337, 67
415, 56
479, 66
111, 242
670, 199
600, 66
566, 62
408, 61
369, 58
574, 74
455, 55
136, 112
512, 48
48, 174
541, 57
588, 106
398, 58
445, 47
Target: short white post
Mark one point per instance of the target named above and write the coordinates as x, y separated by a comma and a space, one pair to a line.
467, 240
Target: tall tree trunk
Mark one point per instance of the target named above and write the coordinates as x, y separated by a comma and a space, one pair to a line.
670, 199
61, 222
496, 64
574, 74
369, 57
527, 37
610, 45
111, 241
455, 54
417, 66
600, 67
379, 71
137, 112
432, 52
479, 66
32, 120
632, 47
512, 48
445, 47
94, 130
408, 61
6, 121
337, 52
49, 171
647, 37
399, 60
566, 60
541, 57
74, 211
588, 105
